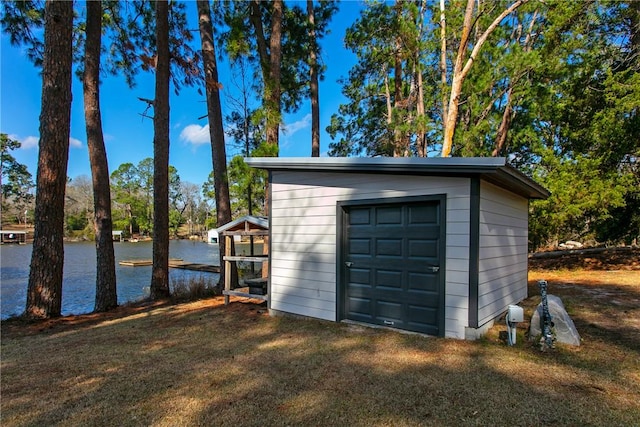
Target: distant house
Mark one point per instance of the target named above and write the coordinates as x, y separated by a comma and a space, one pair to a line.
212, 236
432, 245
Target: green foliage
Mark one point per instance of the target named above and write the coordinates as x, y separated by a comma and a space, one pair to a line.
22, 20
246, 129
582, 195
131, 30
17, 182
238, 39
208, 189
247, 185
77, 221
382, 116
176, 220
132, 187
555, 88
121, 224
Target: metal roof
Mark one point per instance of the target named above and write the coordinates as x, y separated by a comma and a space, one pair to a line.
249, 221
495, 170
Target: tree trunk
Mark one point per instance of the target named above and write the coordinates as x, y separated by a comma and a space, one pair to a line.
313, 84
509, 113
399, 150
398, 102
422, 134
106, 296
275, 57
160, 270
421, 137
216, 128
443, 61
270, 64
255, 17
130, 215
456, 84
460, 72
44, 291
634, 13
387, 95
505, 124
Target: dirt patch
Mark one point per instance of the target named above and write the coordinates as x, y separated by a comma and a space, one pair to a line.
587, 259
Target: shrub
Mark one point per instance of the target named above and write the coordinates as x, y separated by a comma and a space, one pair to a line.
192, 288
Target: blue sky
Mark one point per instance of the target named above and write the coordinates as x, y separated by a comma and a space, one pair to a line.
129, 137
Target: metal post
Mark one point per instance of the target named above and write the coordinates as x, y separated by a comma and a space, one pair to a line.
546, 341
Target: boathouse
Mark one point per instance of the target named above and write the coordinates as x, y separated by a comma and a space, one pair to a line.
13, 236
431, 245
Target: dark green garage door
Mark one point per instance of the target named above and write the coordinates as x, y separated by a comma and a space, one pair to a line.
393, 265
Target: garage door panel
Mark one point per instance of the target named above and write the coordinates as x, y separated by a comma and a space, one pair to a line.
423, 214
360, 246
389, 215
359, 305
388, 278
423, 328
422, 282
359, 290
359, 216
423, 248
387, 310
419, 314
389, 266
360, 276
389, 247
395, 295
383, 263
423, 299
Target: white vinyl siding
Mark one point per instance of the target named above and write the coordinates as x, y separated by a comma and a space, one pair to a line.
304, 244
502, 278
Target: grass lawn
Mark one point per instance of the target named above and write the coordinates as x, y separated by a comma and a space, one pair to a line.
206, 364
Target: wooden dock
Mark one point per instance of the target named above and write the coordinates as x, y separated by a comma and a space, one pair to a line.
194, 266
174, 263
136, 262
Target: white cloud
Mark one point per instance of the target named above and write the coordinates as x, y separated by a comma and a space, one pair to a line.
304, 123
195, 134
30, 142
75, 143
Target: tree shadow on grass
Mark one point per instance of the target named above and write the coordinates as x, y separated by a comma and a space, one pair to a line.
235, 365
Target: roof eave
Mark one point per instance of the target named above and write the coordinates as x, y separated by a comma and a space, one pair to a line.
492, 169
261, 222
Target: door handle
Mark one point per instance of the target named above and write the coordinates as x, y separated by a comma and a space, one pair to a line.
433, 268
348, 264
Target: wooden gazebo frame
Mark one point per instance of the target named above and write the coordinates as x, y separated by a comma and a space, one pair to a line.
251, 226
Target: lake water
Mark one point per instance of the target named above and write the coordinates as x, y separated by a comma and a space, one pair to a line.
79, 281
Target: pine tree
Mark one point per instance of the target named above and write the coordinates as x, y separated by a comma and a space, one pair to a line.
106, 295
44, 292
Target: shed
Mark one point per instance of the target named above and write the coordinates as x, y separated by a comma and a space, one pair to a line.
431, 245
